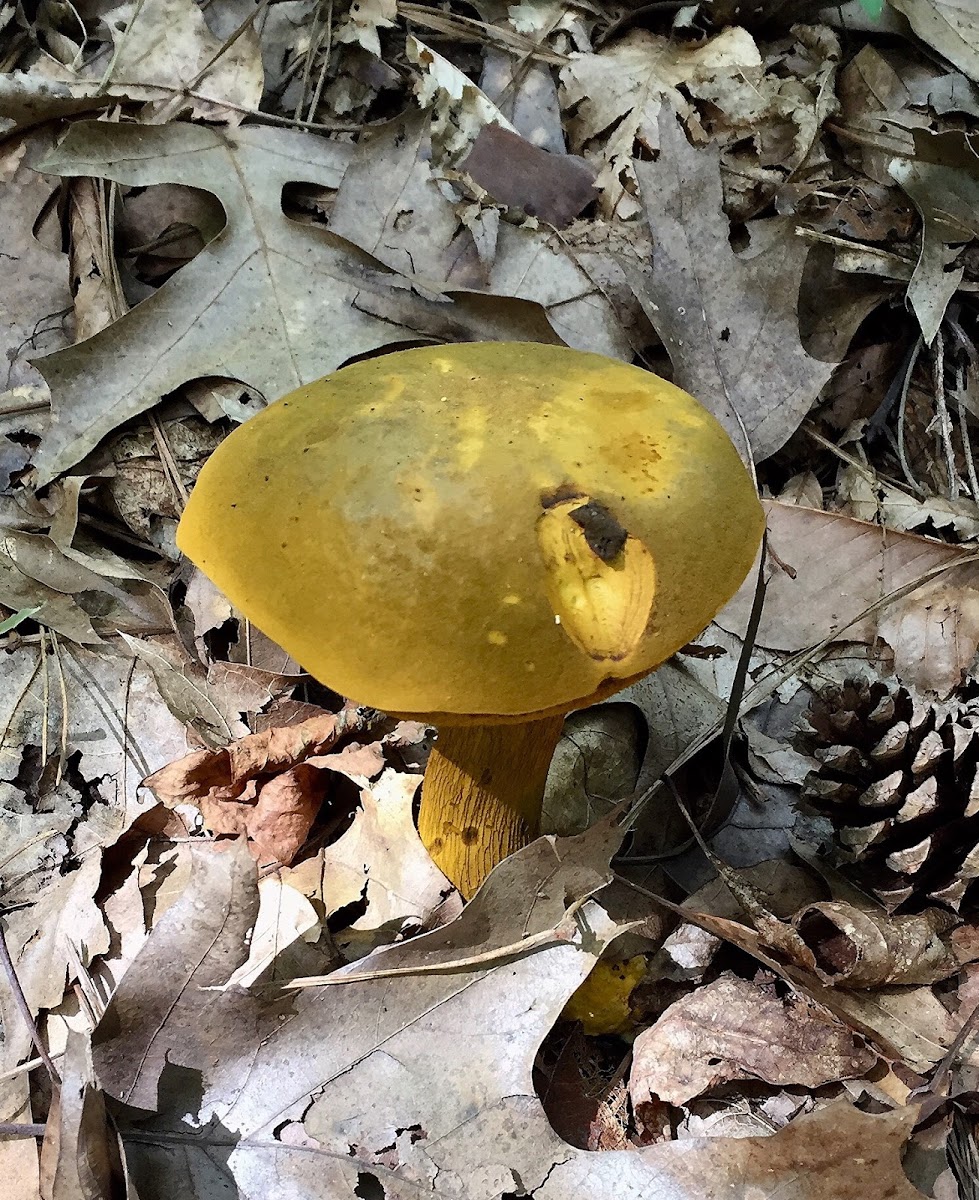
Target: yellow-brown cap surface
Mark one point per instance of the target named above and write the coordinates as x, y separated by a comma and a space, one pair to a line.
484, 528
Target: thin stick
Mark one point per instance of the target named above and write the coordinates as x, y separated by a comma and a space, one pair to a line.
12, 1129
170, 468
901, 413
24, 1067
45, 698
63, 748
970, 461
944, 419
324, 67
25, 1009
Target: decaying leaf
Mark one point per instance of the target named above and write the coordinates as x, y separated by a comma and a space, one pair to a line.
183, 684
380, 862
907, 1024
269, 786
865, 948
163, 52
945, 197
596, 763
363, 21
460, 108
35, 298
520, 175
79, 1154
620, 92
159, 1016
836, 567
949, 26
390, 205
729, 321
737, 1029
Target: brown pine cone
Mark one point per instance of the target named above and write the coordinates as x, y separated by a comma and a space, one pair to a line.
898, 779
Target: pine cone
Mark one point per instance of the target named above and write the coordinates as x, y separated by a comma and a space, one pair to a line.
898, 779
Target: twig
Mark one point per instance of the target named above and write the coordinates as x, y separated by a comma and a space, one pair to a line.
45, 696
24, 1067
229, 41
324, 67
944, 420
117, 48
263, 118
63, 687
25, 1009
469, 28
970, 462
901, 416
12, 1129
887, 145
860, 467
170, 468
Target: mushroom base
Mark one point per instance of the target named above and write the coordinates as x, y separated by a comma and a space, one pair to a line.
481, 798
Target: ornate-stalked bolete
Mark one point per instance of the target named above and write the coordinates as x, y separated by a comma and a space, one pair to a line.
482, 536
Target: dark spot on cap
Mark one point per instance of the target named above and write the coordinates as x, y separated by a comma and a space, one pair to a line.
603, 532
469, 835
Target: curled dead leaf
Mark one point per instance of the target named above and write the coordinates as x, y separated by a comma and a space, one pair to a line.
269, 786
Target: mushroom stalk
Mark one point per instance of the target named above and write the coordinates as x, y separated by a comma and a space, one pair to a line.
482, 795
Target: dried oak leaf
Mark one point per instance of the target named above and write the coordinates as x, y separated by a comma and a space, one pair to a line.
268, 786
253, 304
737, 1029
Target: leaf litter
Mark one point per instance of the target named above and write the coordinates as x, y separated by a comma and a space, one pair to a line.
777, 217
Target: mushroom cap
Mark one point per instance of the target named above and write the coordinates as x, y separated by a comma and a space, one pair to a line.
484, 530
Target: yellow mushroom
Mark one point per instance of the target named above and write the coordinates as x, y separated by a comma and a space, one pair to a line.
482, 536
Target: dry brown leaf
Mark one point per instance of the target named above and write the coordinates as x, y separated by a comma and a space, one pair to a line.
736, 1029
247, 689
866, 948
158, 1014
381, 862
908, 1024
287, 930
950, 26
268, 786
34, 570
112, 718
35, 297
363, 21
390, 203
79, 1152
164, 52
729, 321
618, 95
183, 684
835, 567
